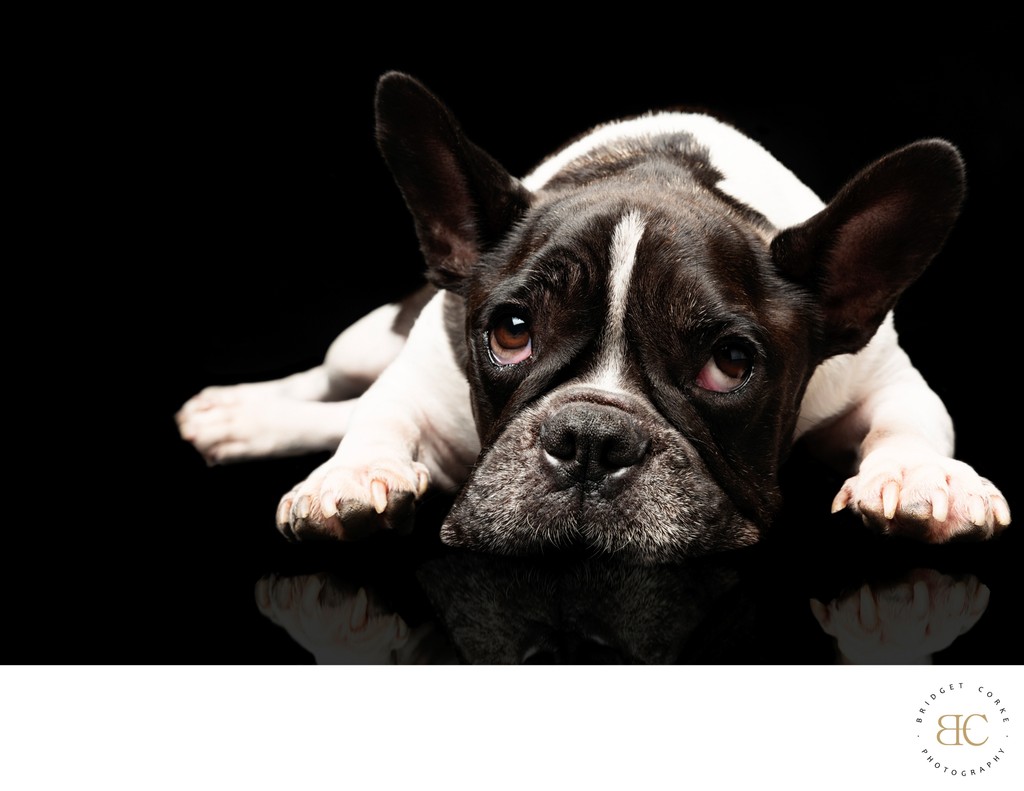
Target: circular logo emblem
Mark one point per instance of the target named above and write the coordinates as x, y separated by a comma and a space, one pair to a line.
963, 730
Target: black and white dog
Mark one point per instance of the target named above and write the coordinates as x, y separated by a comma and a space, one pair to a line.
619, 350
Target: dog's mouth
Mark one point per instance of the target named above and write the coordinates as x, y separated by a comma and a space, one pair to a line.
597, 472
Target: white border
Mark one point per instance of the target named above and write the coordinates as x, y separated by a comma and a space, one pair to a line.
481, 728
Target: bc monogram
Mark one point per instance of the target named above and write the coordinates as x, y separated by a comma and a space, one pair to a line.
959, 728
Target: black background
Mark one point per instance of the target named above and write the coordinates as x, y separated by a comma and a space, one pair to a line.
271, 223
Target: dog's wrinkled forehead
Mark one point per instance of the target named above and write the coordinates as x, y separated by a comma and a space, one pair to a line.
618, 254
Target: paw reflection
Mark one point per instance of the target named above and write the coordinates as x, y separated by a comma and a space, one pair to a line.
337, 625
902, 623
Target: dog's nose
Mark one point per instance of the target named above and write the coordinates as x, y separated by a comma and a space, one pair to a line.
592, 442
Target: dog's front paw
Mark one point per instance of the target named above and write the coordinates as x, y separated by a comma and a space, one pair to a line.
925, 496
340, 501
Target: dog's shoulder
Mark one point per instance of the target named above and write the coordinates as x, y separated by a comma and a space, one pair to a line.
741, 167
843, 381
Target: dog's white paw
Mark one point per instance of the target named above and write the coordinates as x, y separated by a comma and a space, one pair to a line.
253, 421
345, 502
336, 626
904, 623
225, 426
925, 496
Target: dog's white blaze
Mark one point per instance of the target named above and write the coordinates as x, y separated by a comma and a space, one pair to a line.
750, 173
625, 239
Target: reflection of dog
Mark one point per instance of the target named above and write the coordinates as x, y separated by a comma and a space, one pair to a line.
624, 346
501, 610
904, 623
497, 610
342, 625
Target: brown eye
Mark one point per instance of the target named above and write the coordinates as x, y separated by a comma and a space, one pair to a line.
728, 368
509, 340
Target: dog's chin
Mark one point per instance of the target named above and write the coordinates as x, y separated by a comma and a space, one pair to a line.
667, 509
507, 526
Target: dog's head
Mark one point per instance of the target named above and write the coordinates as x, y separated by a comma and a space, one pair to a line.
638, 341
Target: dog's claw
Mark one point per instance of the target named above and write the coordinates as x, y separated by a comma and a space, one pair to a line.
841, 500
379, 495
976, 510
283, 508
328, 504
890, 499
940, 506
1001, 510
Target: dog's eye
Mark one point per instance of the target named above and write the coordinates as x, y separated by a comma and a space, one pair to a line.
728, 368
509, 340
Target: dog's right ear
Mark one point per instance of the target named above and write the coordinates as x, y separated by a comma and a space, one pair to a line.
874, 238
461, 199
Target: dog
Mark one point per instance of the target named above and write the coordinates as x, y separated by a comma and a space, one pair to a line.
618, 351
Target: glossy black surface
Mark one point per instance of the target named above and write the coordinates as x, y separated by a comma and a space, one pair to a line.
223, 587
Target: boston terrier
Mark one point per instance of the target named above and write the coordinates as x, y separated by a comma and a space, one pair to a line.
618, 351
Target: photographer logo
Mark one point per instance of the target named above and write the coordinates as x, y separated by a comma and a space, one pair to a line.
963, 730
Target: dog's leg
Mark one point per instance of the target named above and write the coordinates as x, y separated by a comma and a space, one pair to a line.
305, 412
233, 428
413, 427
907, 481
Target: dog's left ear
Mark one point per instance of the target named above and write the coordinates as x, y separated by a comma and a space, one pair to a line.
874, 239
461, 199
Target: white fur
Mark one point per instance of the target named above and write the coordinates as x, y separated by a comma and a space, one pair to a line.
848, 380
420, 404
750, 173
625, 238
